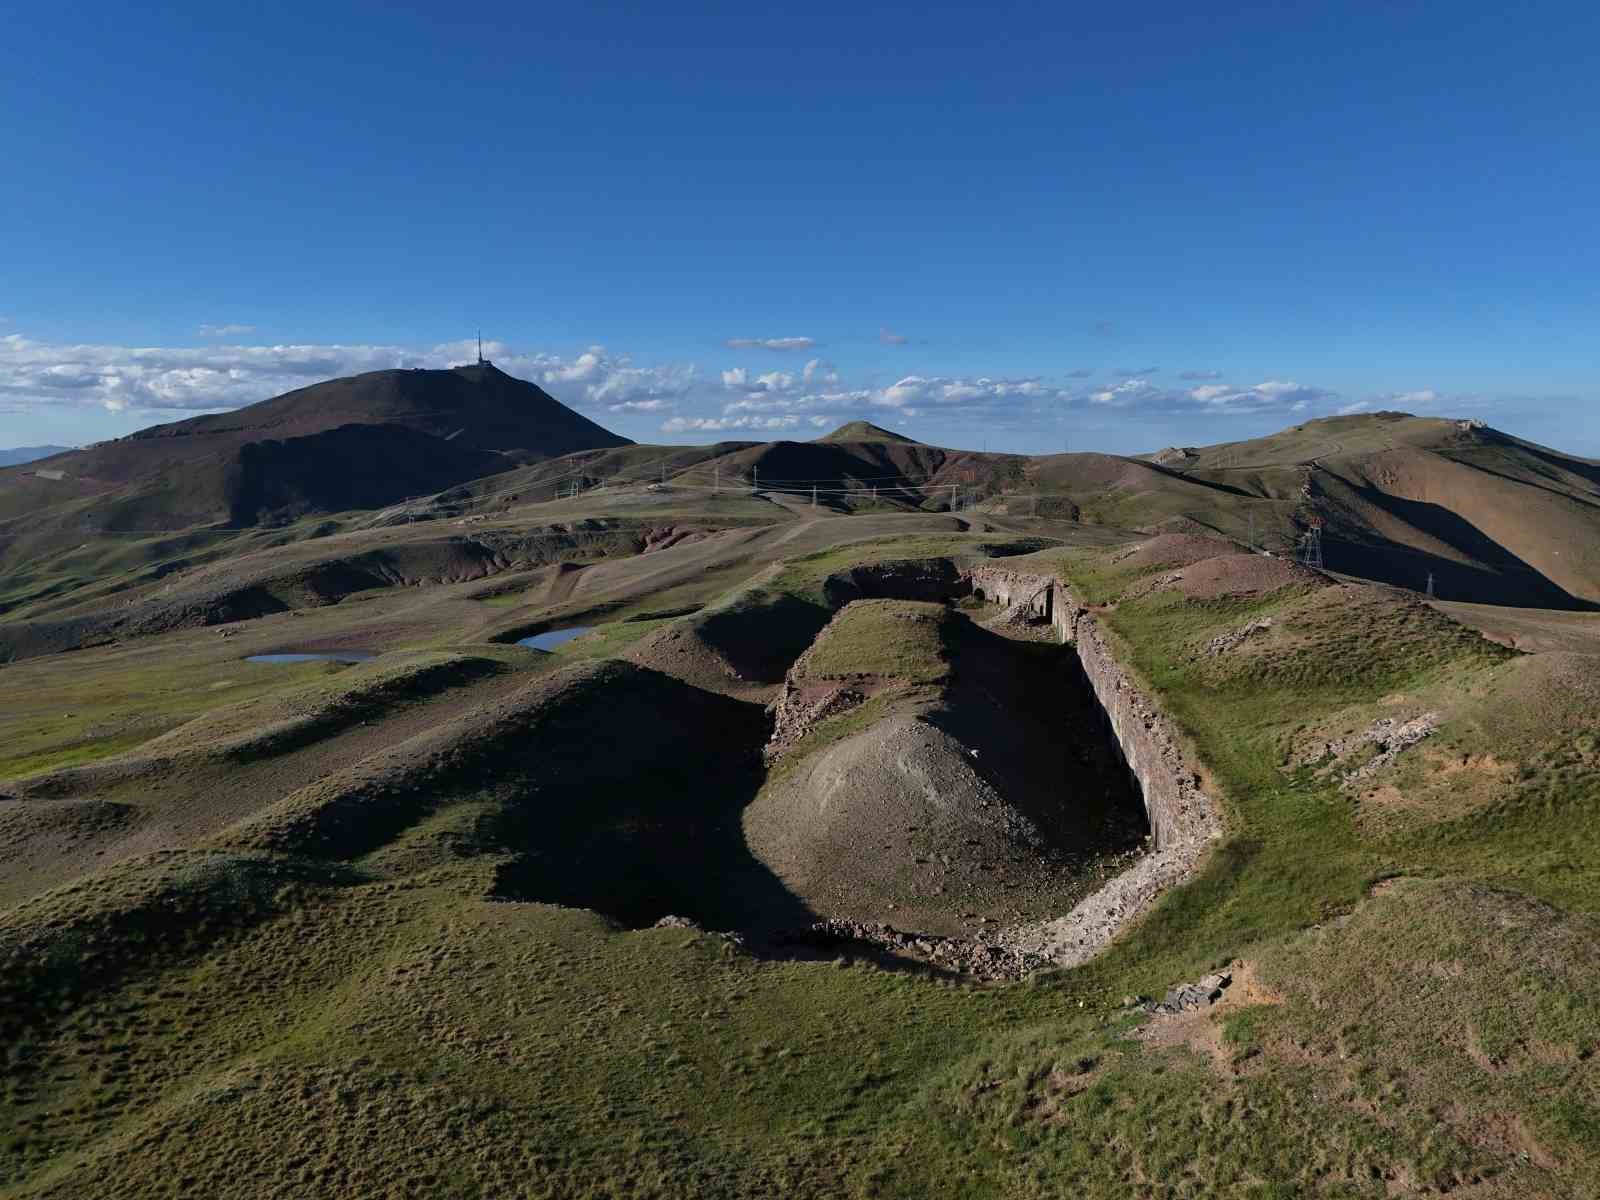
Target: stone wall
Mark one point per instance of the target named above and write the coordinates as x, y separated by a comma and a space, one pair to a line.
930, 579
1184, 820
1180, 812
1178, 808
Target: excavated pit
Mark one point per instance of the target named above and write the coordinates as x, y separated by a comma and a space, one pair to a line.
983, 798
992, 795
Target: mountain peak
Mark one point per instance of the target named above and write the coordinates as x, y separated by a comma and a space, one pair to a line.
866, 431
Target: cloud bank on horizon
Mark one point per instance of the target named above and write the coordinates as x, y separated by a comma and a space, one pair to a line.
677, 399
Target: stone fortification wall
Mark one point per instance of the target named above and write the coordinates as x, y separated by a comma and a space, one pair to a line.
1040, 594
1178, 808
931, 579
1184, 820
1180, 811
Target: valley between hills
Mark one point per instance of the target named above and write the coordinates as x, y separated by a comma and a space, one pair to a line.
884, 819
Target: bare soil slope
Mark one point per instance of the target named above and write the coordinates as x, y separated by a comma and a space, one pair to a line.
1492, 518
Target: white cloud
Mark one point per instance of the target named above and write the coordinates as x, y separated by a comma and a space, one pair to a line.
595, 378
1353, 408
164, 380
167, 381
717, 424
819, 374
819, 391
777, 343
943, 392
1274, 395
225, 330
816, 373
1128, 393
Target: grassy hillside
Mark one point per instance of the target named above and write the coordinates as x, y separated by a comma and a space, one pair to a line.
349, 930
413, 1013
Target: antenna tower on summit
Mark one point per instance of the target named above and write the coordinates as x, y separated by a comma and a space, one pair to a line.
482, 361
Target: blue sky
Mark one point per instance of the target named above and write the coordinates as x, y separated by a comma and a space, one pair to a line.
1027, 226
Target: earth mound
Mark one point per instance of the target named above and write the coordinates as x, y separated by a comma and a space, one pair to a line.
896, 824
1243, 575
1176, 550
740, 647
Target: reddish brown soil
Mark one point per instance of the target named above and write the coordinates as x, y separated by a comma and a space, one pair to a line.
1178, 550
1243, 575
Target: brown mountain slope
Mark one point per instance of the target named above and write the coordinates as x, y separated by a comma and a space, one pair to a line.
865, 431
358, 442
846, 472
1493, 519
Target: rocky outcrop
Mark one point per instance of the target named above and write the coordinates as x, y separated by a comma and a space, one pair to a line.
799, 708
981, 956
1390, 735
1187, 997
1234, 637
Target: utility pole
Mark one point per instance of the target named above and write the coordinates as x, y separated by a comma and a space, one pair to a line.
755, 480
874, 493
813, 495
1430, 585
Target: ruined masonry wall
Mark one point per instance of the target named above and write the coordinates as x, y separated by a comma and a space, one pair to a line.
1179, 810
1183, 818
1181, 814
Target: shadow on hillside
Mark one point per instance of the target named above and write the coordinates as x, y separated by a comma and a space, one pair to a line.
1047, 746
1503, 579
630, 805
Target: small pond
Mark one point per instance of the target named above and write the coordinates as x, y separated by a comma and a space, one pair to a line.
342, 656
553, 637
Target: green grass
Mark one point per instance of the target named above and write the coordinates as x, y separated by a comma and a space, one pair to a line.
386, 1030
19, 766
893, 639
260, 1025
